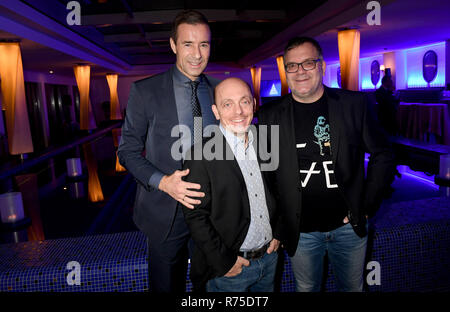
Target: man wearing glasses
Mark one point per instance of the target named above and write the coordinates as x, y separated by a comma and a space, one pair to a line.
320, 184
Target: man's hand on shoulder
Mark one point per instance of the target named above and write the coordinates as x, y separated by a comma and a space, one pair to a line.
180, 190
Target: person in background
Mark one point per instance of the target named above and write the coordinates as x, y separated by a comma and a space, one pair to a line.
156, 106
387, 105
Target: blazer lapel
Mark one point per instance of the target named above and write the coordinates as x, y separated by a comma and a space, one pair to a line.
336, 116
168, 107
288, 152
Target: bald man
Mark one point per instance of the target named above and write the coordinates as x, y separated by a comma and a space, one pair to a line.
235, 227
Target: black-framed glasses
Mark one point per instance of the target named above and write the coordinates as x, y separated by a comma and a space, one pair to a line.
306, 65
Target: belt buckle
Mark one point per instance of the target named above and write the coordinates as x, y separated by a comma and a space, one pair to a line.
258, 253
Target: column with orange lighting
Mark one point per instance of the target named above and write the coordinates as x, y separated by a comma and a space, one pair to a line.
256, 80
82, 75
116, 113
282, 73
13, 99
349, 42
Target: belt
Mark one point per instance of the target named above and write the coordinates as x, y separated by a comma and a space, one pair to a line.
254, 254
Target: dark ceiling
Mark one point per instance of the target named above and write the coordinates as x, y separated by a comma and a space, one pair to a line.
137, 31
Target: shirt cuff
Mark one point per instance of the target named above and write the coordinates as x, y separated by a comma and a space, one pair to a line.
155, 179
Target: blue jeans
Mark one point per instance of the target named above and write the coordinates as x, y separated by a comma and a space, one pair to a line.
257, 277
346, 253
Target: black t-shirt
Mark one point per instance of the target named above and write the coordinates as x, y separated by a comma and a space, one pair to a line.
323, 208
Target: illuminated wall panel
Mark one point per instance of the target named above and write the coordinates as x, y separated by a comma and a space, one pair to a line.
330, 78
414, 59
365, 75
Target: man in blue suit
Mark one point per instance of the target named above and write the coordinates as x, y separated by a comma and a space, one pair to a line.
157, 106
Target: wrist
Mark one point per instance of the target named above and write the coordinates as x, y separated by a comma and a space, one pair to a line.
162, 184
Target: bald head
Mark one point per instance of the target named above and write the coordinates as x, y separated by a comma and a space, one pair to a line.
234, 105
230, 83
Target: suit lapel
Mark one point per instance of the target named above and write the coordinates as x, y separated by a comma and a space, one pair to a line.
335, 115
168, 107
257, 144
288, 152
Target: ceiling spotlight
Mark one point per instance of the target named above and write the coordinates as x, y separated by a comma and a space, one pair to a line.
50, 71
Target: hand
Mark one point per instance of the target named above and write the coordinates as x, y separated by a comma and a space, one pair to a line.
237, 267
179, 189
274, 244
346, 219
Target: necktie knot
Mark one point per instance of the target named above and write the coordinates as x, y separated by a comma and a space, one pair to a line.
194, 85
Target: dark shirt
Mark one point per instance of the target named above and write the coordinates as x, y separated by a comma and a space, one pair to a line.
323, 207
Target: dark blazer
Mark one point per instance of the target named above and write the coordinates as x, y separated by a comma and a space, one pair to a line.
354, 131
220, 223
145, 147
387, 109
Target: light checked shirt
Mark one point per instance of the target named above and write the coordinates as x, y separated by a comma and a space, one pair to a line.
259, 232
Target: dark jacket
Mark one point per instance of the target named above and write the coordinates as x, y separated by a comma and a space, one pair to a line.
354, 131
220, 223
387, 110
145, 147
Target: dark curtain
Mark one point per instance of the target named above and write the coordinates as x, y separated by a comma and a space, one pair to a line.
34, 107
76, 99
58, 103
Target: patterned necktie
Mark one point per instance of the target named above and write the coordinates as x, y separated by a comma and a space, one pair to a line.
196, 112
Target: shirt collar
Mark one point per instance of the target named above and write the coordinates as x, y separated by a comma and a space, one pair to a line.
233, 140
179, 77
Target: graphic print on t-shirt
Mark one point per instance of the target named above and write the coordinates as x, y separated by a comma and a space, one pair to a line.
322, 205
322, 133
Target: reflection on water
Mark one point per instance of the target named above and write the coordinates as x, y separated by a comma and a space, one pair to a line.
95, 192
28, 186
58, 206
77, 189
117, 133
15, 236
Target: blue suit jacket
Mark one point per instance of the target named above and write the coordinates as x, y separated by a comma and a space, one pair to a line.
145, 148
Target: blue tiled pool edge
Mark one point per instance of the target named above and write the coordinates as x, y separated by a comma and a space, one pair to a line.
411, 257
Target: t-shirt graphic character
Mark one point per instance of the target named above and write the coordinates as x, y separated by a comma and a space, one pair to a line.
322, 133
